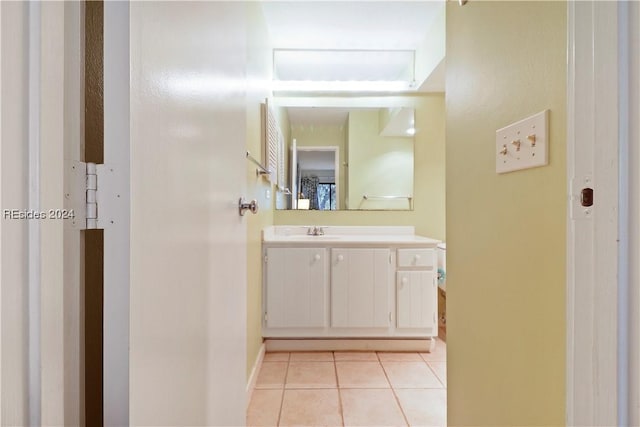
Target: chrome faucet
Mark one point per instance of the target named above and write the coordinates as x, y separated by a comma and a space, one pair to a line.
315, 231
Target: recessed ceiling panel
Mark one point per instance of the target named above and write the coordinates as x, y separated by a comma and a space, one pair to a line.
343, 65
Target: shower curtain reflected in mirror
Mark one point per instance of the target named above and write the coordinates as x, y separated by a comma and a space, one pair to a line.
309, 189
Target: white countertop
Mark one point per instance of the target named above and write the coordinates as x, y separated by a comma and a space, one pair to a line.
345, 235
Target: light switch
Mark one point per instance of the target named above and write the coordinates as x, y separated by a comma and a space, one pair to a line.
524, 144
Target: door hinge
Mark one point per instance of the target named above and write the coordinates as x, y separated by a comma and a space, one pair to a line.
96, 194
390, 318
91, 191
265, 316
389, 258
266, 258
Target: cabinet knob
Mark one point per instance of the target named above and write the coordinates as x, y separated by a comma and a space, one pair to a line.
404, 280
340, 257
416, 257
317, 257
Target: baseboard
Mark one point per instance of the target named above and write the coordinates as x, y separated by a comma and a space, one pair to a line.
255, 371
292, 344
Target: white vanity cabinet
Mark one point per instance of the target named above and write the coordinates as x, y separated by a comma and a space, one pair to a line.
360, 288
358, 283
296, 291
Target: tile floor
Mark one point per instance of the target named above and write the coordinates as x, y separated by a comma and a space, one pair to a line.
351, 389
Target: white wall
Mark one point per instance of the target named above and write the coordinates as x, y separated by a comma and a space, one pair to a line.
13, 193
73, 239
634, 200
430, 55
39, 364
50, 143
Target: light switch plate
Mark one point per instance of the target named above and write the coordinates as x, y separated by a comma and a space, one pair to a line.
524, 144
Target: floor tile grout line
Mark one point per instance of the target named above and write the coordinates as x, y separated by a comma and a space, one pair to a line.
436, 375
284, 383
436, 361
440, 381
395, 396
340, 409
393, 391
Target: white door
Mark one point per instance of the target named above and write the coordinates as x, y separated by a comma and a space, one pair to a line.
116, 260
188, 243
296, 287
416, 300
360, 288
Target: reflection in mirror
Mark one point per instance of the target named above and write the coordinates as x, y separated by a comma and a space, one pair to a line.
350, 158
317, 183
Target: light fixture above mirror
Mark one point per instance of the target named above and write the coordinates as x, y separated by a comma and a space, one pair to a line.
343, 70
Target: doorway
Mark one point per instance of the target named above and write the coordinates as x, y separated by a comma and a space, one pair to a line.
396, 151
488, 402
317, 177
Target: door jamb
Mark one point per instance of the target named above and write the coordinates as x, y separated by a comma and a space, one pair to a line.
596, 364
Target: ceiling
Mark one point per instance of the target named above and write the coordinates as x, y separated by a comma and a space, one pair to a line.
400, 121
317, 160
348, 26
317, 116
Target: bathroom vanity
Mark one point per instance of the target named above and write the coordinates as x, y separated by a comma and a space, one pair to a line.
349, 282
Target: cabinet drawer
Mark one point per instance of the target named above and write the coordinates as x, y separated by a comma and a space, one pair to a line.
425, 258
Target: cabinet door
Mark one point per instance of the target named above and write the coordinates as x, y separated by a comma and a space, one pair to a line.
360, 281
296, 287
416, 297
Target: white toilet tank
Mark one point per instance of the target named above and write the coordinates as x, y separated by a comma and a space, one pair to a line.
442, 266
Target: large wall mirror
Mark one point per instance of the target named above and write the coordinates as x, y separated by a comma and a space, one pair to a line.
355, 158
